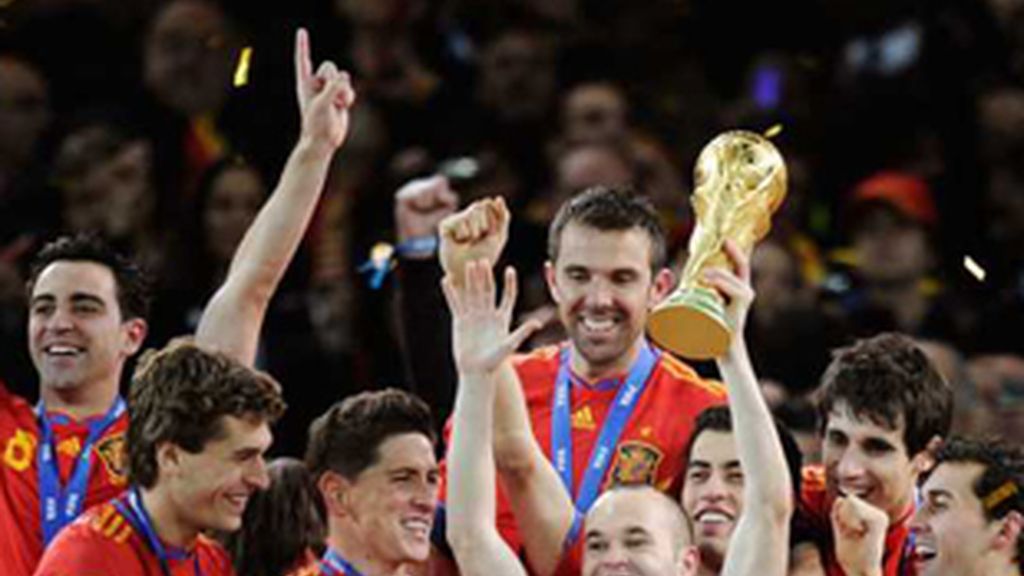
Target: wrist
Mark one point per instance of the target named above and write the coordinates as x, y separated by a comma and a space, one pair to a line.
314, 148
417, 247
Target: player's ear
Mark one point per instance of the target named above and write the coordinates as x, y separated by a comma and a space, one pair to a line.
925, 459
168, 459
1010, 529
336, 491
663, 283
550, 279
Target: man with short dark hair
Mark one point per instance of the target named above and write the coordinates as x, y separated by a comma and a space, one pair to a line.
86, 318
607, 407
971, 520
884, 409
714, 491
200, 426
372, 457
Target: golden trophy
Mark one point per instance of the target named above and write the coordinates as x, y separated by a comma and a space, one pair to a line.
740, 180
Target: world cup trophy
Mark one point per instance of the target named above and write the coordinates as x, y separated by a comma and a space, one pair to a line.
739, 181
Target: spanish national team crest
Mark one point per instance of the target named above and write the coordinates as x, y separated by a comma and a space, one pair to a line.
115, 457
635, 463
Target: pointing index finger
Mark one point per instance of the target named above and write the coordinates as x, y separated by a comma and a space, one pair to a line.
303, 66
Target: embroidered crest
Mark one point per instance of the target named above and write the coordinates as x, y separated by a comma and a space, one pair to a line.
111, 451
635, 463
20, 450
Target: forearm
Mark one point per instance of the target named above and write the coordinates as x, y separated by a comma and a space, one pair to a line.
544, 510
759, 546
429, 363
233, 319
767, 487
471, 477
471, 529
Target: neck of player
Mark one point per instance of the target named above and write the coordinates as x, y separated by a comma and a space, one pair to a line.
170, 527
355, 549
80, 402
619, 366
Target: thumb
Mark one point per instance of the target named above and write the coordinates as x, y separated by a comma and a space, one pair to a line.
519, 335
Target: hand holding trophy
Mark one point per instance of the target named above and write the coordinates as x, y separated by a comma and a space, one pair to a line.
740, 181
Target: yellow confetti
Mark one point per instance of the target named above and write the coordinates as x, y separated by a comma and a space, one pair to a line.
242, 70
774, 131
974, 268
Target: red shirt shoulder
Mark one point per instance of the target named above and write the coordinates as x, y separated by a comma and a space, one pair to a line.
103, 541
99, 542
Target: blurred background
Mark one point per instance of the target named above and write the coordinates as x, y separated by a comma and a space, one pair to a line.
902, 123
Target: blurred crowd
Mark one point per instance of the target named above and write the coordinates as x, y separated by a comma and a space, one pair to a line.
902, 125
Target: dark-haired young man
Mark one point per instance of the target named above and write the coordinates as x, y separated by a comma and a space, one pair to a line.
200, 426
372, 456
607, 407
971, 520
87, 311
715, 490
884, 409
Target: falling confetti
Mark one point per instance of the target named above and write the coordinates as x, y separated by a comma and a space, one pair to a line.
242, 70
774, 131
974, 268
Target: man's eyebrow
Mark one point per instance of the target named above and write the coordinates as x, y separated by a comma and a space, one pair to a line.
86, 297
43, 298
932, 493
698, 464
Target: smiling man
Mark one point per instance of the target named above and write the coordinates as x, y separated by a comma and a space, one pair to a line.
715, 488
971, 522
606, 406
372, 456
884, 410
87, 310
199, 429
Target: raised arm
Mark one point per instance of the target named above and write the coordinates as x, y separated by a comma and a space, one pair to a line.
234, 316
480, 344
543, 509
760, 543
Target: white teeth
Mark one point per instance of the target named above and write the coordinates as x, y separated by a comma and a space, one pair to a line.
598, 325
416, 525
61, 350
713, 517
858, 492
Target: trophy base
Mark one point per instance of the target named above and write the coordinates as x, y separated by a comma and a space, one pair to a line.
692, 324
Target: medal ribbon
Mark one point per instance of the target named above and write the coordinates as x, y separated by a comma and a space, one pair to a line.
62, 504
135, 513
622, 408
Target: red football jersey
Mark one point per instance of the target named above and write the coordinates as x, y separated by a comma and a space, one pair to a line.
103, 541
814, 516
20, 514
651, 448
